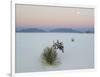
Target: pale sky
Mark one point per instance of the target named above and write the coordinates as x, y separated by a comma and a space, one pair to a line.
46, 16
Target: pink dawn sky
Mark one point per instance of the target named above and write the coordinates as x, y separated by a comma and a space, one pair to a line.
46, 16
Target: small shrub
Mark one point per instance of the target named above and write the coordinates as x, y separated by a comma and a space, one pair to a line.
72, 39
50, 56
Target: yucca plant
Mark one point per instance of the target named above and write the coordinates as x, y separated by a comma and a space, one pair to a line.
50, 56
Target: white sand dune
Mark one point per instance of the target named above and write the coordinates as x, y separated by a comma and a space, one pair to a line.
77, 55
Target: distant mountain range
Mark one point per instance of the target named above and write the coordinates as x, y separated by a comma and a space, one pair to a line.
58, 30
65, 30
30, 30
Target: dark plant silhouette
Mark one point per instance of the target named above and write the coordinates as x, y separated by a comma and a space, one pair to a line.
72, 39
58, 45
